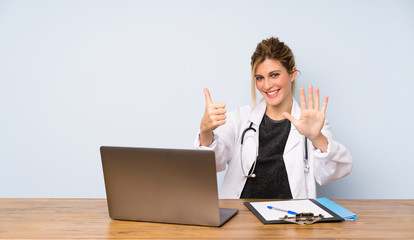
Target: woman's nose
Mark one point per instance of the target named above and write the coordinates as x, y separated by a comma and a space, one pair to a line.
267, 83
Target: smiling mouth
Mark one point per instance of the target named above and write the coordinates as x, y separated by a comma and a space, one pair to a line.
273, 93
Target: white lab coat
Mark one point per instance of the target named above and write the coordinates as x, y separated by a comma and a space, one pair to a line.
323, 167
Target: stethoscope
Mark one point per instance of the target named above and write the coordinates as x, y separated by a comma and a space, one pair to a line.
252, 174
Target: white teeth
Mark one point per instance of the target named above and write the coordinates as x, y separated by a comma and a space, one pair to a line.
272, 93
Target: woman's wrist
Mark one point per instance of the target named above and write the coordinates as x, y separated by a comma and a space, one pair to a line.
206, 138
320, 142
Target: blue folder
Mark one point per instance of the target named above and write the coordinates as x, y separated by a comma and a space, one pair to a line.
341, 211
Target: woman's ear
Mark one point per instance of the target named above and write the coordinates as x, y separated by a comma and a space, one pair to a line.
293, 74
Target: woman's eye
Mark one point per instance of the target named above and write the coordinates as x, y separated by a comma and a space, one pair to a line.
274, 75
259, 78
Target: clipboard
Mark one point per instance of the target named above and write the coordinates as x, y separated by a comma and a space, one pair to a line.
268, 216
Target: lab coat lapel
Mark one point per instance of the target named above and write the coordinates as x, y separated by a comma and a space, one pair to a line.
294, 136
251, 139
293, 158
257, 113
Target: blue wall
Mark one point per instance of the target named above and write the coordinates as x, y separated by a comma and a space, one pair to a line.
75, 75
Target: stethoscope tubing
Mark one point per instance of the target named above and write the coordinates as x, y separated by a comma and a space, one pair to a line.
251, 175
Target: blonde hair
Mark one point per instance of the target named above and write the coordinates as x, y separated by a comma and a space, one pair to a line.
272, 48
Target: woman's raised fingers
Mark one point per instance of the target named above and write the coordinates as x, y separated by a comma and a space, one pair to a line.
302, 99
310, 97
317, 98
325, 104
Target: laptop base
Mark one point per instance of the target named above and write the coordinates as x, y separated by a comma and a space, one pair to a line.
226, 214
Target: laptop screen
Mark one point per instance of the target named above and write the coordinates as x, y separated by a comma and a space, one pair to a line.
161, 185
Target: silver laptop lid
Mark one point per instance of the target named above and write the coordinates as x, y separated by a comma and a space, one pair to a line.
161, 185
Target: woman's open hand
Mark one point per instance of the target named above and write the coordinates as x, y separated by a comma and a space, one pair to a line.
311, 118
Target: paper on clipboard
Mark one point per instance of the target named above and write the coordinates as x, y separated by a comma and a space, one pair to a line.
271, 216
298, 206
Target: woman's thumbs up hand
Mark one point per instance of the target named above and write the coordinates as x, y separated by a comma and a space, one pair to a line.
214, 116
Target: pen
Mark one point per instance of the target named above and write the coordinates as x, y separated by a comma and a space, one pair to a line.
282, 210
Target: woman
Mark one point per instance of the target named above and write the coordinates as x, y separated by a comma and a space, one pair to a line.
274, 149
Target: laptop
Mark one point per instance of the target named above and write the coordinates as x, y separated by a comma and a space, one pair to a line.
163, 185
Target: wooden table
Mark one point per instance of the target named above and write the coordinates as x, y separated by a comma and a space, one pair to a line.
88, 218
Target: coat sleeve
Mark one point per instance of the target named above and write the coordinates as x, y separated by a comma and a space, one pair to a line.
335, 163
224, 141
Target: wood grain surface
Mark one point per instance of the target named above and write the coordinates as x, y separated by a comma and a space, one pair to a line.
88, 219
